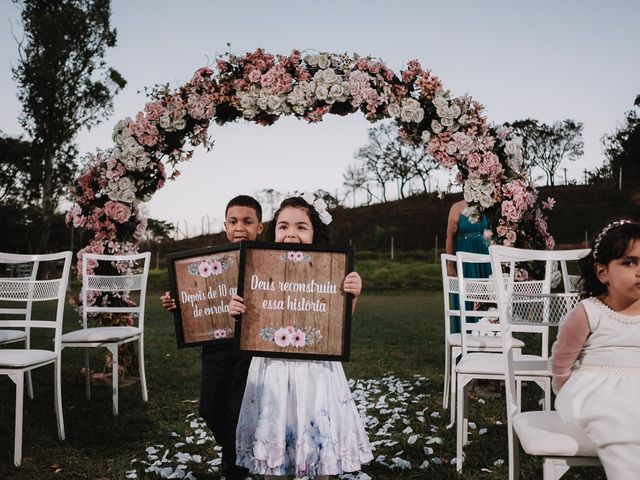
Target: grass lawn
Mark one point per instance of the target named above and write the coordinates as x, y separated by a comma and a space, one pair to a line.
397, 362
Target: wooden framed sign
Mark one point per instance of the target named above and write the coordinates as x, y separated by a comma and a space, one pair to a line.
295, 305
202, 282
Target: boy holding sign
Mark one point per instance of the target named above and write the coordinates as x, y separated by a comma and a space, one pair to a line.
224, 375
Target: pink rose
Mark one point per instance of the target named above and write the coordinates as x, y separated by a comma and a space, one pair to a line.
117, 211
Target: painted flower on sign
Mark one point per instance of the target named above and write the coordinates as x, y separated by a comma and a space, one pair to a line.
291, 336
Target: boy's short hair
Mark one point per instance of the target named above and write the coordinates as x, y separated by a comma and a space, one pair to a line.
245, 201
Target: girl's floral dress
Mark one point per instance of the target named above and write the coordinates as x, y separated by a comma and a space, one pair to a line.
298, 418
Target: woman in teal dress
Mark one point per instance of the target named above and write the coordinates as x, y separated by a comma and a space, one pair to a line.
466, 236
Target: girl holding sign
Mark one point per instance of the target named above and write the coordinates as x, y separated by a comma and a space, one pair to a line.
298, 416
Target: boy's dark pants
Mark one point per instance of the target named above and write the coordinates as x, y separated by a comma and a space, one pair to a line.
224, 377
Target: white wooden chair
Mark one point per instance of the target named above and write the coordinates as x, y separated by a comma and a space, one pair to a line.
541, 433
15, 363
453, 341
16, 267
475, 365
135, 270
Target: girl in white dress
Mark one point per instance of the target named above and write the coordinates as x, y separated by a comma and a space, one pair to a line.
298, 416
596, 357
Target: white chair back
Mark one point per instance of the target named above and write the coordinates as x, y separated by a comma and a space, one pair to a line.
481, 293
450, 285
132, 279
25, 290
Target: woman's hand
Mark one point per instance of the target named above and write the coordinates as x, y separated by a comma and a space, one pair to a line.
168, 303
236, 307
352, 284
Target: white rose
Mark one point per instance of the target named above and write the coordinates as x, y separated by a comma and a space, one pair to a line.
336, 91
262, 102
312, 60
130, 142
125, 183
446, 121
129, 196
164, 121
324, 61
330, 76
455, 111
463, 119
426, 136
304, 87
179, 123
442, 111
436, 127
440, 101
274, 102
406, 114
130, 164
246, 101
393, 109
322, 92
418, 115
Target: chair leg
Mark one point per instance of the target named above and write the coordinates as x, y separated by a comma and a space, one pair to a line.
514, 459
454, 387
143, 377
57, 386
447, 376
29, 385
114, 374
87, 374
18, 379
461, 420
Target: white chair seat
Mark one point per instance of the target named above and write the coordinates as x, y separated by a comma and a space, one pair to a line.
546, 434
493, 364
12, 335
481, 341
100, 334
13, 358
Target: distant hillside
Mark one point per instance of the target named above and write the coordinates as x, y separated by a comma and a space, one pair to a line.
415, 222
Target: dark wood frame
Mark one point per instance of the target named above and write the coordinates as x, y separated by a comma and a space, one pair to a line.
346, 319
225, 343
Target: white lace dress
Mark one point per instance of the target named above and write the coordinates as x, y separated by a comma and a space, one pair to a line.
298, 418
603, 395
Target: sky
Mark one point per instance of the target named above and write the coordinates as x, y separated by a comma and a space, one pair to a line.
546, 60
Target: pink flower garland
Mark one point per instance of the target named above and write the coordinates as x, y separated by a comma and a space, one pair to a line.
261, 87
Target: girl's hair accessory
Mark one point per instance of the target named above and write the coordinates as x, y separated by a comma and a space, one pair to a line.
603, 233
319, 205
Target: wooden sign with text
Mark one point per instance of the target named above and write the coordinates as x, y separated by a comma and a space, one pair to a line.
295, 306
202, 282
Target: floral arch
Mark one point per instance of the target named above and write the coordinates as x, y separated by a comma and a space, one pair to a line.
261, 87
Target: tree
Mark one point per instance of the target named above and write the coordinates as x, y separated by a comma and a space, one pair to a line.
64, 85
15, 172
158, 230
356, 177
622, 148
546, 146
387, 157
